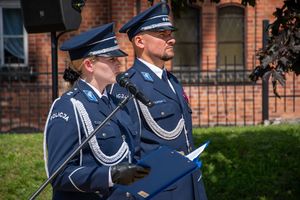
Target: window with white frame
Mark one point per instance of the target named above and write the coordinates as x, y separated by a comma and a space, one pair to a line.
13, 37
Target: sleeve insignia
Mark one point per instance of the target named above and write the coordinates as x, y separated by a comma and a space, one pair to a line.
62, 115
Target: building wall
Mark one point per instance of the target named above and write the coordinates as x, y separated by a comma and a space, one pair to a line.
98, 12
242, 104
239, 103
253, 21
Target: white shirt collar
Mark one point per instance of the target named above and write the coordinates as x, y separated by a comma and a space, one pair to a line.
158, 71
96, 90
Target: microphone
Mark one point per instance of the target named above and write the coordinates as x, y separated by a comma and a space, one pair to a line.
125, 82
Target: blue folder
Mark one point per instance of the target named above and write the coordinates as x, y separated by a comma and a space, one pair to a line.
167, 167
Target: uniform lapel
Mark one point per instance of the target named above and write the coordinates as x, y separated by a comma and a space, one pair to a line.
94, 98
159, 85
103, 108
123, 118
178, 89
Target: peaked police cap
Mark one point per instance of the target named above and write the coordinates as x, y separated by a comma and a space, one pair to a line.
155, 18
99, 41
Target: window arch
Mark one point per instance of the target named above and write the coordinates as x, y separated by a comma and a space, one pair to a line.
231, 37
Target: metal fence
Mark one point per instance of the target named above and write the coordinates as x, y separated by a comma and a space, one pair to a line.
227, 97
24, 101
217, 97
222, 97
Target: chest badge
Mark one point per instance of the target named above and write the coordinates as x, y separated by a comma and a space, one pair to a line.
147, 76
90, 95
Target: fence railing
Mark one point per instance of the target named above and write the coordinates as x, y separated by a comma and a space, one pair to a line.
228, 97
217, 97
24, 101
222, 97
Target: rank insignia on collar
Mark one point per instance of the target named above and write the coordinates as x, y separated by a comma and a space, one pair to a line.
90, 95
147, 76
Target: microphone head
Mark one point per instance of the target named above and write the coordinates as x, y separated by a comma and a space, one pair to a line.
122, 79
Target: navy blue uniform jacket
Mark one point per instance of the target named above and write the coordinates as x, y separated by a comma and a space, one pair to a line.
168, 110
71, 119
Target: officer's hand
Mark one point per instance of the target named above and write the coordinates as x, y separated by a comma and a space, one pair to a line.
127, 173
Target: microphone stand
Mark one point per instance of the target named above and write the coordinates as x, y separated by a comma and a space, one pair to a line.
62, 166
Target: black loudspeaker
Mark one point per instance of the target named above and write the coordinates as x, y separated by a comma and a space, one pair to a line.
51, 15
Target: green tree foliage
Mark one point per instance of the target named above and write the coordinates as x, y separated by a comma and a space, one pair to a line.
282, 52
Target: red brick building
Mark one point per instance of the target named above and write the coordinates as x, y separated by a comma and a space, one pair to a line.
215, 52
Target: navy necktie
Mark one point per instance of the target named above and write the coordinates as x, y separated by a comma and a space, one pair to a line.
106, 101
164, 76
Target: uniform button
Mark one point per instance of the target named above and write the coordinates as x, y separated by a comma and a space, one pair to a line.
104, 134
162, 113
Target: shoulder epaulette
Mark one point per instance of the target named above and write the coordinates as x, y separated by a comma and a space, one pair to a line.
130, 72
70, 93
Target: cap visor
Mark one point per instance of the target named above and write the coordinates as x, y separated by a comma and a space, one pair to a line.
164, 28
115, 53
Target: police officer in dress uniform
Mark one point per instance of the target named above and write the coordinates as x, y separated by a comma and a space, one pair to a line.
108, 158
169, 121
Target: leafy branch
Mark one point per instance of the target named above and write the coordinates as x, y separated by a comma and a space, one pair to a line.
282, 52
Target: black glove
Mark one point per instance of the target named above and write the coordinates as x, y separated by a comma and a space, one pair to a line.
127, 173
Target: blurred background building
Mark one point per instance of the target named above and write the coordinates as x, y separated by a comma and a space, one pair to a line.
215, 53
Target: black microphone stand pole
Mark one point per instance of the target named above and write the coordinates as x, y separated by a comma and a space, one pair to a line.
62, 166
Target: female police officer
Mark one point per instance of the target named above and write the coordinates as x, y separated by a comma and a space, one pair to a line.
72, 117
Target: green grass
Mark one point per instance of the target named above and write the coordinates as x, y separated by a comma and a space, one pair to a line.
241, 163
21, 166
260, 163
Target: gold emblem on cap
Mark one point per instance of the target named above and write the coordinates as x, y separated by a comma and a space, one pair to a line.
143, 194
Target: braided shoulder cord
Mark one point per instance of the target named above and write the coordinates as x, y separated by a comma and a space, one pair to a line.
88, 129
159, 131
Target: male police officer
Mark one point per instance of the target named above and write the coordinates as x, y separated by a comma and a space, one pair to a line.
169, 121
